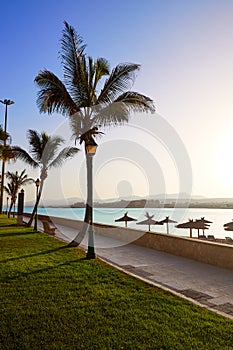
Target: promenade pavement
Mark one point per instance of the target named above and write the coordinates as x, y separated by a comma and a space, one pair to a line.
206, 285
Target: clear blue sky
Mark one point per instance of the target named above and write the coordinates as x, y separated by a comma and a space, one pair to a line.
185, 49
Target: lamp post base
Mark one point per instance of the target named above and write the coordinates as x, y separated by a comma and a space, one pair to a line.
90, 254
35, 223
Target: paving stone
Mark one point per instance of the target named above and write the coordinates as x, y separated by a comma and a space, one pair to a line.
227, 308
201, 297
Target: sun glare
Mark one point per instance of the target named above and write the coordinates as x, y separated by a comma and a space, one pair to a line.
224, 162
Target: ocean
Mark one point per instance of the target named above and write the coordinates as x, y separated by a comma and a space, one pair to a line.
108, 215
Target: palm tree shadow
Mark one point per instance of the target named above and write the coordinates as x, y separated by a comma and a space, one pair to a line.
25, 274
36, 254
12, 234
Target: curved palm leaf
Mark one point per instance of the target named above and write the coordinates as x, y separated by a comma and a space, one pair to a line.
50, 149
136, 102
37, 143
24, 156
122, 76
97, 70
66, 153
4, 135
53, 95
72, 48
111, 115
7, 153
80, 122
9, 189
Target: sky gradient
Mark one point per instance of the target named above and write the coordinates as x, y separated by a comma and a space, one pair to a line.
185, 49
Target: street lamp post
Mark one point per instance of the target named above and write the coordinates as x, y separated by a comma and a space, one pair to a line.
37, 183
90, 148
6, 103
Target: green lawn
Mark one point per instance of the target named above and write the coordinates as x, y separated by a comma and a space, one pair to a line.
53, 298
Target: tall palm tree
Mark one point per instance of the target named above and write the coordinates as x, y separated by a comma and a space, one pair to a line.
88, 101
44, 155
16, 181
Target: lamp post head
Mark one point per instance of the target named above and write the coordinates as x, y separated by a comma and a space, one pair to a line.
7, 102
37, 182
91, 147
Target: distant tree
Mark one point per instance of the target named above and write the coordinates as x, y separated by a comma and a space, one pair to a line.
84, 97
10, 190
6, 155
44, 155
16, 181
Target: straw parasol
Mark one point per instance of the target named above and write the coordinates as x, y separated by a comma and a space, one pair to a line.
167, 221
125, 218
199, 225
228, 226
204, 222
149, 221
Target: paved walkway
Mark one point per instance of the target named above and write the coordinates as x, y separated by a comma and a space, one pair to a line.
204, 284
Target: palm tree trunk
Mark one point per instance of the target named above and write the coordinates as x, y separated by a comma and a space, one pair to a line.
36, 204
88, 212
11, 205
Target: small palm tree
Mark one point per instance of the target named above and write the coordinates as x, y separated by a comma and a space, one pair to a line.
10, 190
44, 155
6, 155
16, 181
88, 101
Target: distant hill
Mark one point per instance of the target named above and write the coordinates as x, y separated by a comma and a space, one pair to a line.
153, 201
54, 202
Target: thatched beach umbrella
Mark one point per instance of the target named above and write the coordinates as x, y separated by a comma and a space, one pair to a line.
167, 221
149, 221
203, 222
228, 226
125, 218
189, 224
199, 225
193, 225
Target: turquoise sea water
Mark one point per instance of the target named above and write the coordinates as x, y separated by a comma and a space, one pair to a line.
108, 215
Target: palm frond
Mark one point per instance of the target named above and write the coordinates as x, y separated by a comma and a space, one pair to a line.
4, 135
50, 149
81, 122
24, 156
10, 189
74, 66
120, 79
6, 153
66, 153
111, 115
97, 70
72, 48
36, 144
136, 102
53, 95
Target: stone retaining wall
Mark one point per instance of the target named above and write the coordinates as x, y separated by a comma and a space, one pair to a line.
217, 254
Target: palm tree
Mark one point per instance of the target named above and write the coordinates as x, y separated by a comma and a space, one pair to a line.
16, 181
44, 155
10, 190
88, 101
6, 155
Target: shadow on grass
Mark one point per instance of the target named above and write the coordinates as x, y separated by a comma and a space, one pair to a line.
12, 234
33, 255
34, 272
